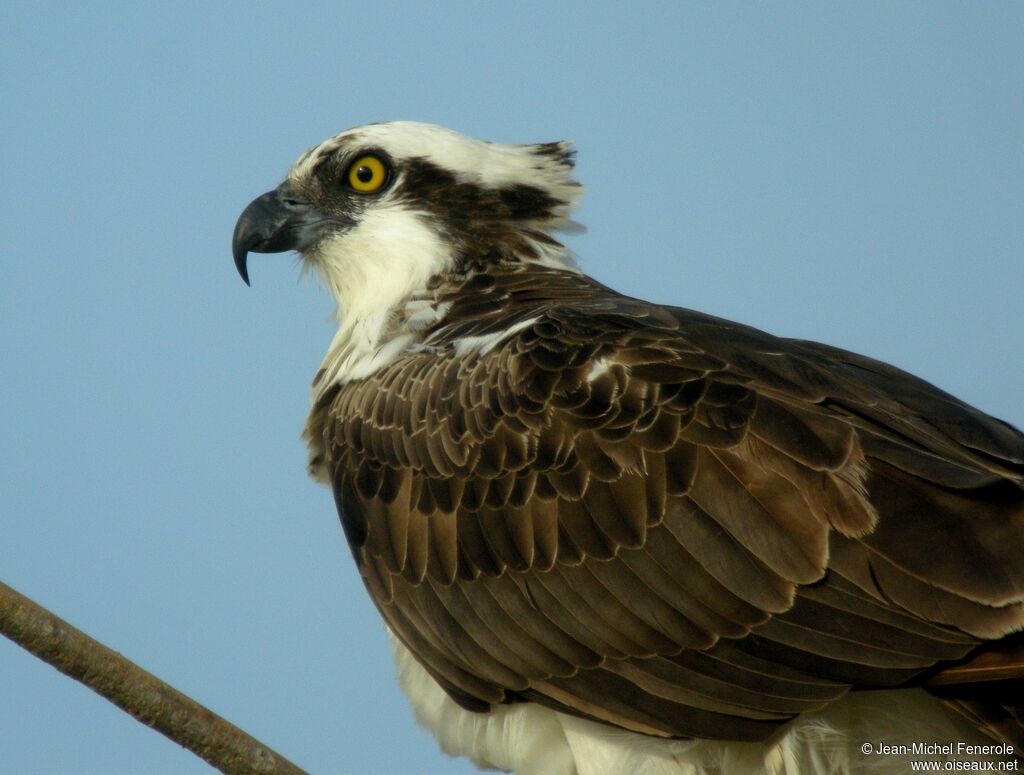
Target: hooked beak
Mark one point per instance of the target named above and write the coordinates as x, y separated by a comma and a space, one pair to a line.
272, 223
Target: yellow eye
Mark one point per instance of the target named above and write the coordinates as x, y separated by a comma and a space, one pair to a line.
367, 174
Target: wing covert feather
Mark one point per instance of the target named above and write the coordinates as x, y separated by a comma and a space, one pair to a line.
666, 521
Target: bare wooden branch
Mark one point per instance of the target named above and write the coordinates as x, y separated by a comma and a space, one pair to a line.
143, 695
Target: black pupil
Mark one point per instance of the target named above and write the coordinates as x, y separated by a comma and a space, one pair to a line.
364, 174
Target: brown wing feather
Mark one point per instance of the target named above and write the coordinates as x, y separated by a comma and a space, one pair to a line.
668, 522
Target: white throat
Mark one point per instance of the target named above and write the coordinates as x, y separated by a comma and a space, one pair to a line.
376, 271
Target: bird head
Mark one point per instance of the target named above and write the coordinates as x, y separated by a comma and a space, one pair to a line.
388, 207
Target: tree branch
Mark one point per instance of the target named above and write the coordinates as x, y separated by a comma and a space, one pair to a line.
143, 695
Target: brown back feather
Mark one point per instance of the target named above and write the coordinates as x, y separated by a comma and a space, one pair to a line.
672, 523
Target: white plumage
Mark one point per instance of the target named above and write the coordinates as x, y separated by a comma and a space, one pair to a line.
532, 740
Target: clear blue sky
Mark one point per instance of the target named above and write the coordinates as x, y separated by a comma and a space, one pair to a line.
847, 172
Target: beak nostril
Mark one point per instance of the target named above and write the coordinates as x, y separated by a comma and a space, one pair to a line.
270, 224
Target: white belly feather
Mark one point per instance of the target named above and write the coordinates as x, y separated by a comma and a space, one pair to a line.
532, 740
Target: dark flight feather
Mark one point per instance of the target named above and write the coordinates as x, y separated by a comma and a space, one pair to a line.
672, 523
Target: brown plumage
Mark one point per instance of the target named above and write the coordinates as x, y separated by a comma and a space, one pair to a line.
616, 508
640, 515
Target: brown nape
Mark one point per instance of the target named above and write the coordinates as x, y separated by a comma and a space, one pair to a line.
489, 224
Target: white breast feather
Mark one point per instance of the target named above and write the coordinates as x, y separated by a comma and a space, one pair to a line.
375, 268
372, 270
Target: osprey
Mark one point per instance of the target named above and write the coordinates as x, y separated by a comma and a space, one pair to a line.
608, 536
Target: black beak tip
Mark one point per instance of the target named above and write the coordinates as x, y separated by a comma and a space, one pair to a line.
267, 225
241, 242
241, 264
